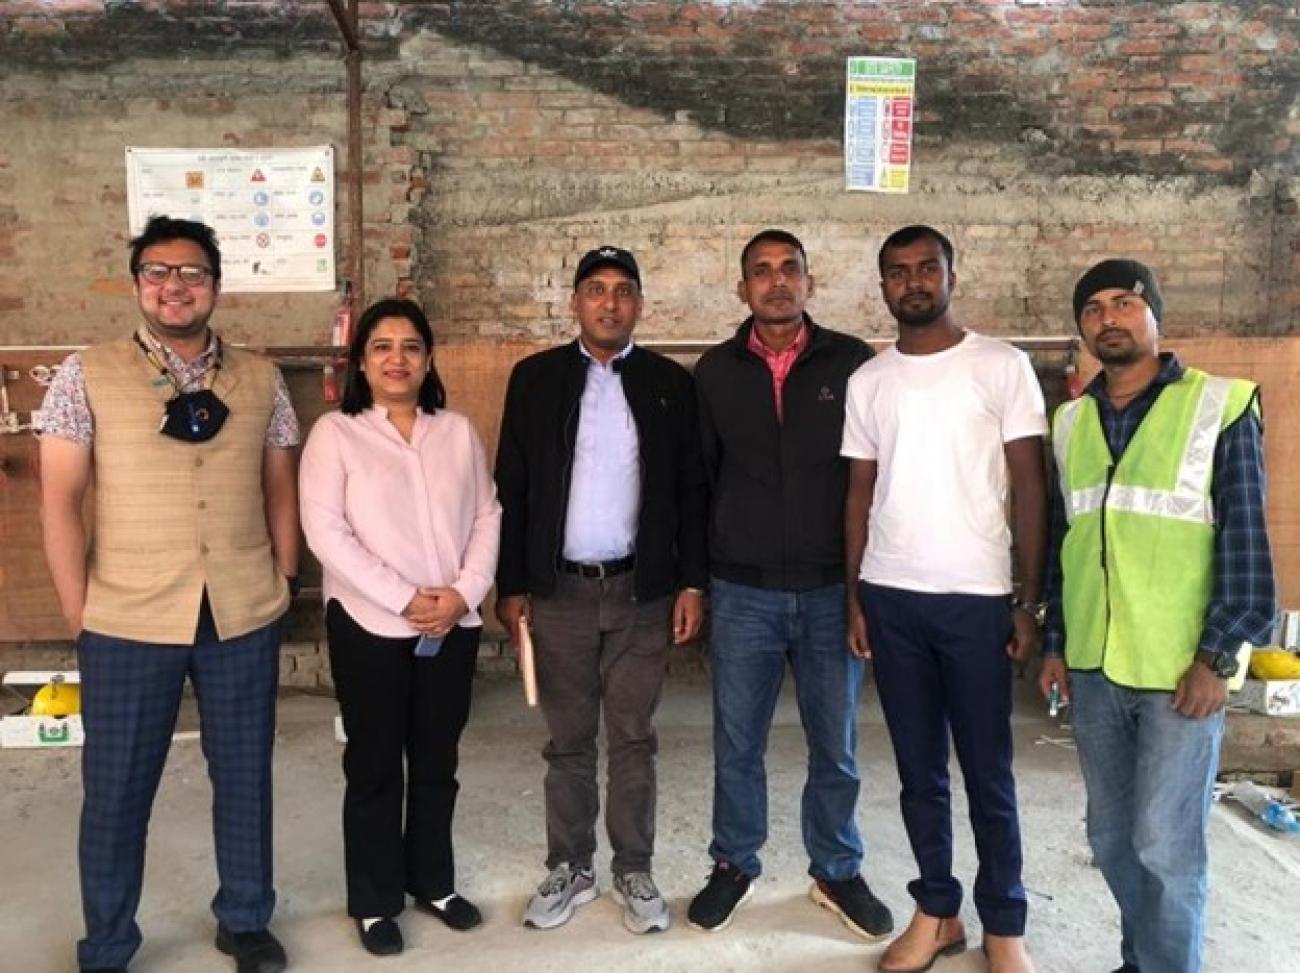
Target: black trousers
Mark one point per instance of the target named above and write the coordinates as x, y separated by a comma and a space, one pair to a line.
397, 706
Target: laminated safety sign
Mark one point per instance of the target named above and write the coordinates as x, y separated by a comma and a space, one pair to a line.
273, 209
880, 95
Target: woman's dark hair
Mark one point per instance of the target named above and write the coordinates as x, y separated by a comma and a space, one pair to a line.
356, 390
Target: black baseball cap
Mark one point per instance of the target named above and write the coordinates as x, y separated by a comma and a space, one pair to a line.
593, 260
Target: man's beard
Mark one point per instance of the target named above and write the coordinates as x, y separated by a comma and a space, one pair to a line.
1124, 353
921, 316
1118, 356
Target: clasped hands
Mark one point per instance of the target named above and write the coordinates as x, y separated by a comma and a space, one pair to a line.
433, 611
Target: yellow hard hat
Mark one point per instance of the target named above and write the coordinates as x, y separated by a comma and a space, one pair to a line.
57, 698
1274, 663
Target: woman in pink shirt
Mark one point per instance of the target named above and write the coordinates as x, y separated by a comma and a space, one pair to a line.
400, 508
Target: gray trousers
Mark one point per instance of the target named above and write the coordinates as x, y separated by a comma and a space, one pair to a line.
597, 647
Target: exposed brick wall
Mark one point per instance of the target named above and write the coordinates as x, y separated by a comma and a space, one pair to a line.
1107, 86
505, 136
526, 169
1097, 85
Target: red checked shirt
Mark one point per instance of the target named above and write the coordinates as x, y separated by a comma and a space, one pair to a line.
779, 362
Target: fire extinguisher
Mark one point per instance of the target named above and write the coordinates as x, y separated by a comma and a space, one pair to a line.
340, 338
1073, 380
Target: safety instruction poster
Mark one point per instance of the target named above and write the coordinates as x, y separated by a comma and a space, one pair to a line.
273, 209
879, 98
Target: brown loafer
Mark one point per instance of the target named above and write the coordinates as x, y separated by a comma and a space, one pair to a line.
1007, 954
925, 939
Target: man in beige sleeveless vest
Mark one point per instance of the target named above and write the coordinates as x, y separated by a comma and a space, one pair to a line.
186, 574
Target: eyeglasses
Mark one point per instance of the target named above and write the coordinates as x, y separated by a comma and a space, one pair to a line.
191, 275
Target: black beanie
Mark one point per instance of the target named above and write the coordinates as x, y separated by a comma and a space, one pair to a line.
1128, 275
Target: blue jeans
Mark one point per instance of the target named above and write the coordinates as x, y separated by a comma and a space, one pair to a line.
755, 631
1149, 772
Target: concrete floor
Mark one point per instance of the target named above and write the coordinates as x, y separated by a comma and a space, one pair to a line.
1073, 925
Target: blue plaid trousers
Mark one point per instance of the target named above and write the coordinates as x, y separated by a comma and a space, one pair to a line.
131, 693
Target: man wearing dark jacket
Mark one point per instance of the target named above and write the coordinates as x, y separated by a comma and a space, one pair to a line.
602, 552
771, 414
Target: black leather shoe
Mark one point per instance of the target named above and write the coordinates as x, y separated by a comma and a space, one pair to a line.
383, 938
254, 952
459, 913
104, 969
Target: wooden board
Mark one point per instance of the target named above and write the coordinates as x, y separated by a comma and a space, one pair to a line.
28, 607
474, 375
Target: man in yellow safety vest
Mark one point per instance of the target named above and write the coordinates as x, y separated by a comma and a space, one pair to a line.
1160, 568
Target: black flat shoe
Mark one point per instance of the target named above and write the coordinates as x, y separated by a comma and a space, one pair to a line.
253, 952
383, 938
459, 913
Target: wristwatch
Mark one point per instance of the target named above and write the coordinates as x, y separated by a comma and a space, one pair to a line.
1222, 664
1037, 610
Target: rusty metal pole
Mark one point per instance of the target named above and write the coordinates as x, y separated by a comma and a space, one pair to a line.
349, 23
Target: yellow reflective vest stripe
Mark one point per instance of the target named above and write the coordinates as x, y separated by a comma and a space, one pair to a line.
1138, 556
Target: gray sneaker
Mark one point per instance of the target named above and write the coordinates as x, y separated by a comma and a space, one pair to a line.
644, 909
559, 896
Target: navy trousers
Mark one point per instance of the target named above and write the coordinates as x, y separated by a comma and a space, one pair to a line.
941, 666
131, 693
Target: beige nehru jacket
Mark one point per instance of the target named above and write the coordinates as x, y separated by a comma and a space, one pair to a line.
174, 517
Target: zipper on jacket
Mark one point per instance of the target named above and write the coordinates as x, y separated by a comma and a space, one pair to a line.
640, 465
781, 459
778, 413
571, 446
781, 451
779, 417
800, 362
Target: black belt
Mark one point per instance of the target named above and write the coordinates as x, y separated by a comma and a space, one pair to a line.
599, 569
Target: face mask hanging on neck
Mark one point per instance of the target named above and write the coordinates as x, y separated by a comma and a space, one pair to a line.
191, 417
194, 417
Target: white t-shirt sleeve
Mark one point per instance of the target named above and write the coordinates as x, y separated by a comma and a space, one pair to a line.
1023, 411
858, 440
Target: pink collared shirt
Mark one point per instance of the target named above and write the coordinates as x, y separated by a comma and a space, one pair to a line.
386, 517
779, 362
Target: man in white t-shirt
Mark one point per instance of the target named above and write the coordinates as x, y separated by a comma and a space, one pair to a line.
937, 428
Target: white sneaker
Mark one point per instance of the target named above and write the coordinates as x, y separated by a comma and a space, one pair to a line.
559, 896
644, 909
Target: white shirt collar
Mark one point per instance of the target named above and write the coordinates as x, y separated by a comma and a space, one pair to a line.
622, 354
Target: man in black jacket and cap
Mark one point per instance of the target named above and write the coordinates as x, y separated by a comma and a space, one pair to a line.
602, 554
